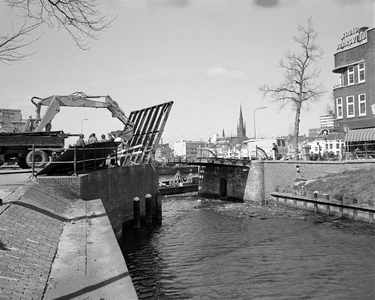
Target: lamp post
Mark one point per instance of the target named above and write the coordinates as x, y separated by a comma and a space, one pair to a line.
255, 132
82, 124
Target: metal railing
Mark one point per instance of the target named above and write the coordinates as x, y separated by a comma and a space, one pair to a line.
86, 166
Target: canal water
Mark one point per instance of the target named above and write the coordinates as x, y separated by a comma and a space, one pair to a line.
210, 249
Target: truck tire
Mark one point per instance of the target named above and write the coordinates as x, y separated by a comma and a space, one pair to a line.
22, 163
40, 158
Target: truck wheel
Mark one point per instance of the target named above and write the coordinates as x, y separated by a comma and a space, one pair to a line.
22, 163
40, 158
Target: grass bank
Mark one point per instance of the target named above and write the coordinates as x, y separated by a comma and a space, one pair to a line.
354, 187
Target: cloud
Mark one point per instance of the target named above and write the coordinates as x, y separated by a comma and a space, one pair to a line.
267, 3
168, 3
222, 72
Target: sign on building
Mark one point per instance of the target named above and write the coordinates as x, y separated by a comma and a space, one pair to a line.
10, 120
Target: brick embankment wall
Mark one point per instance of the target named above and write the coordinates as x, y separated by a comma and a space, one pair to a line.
116, 187
30, 229
52, 247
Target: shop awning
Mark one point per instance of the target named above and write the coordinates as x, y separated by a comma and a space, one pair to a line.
360, 135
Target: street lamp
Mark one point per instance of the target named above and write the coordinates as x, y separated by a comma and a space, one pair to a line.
82, 124
255, 132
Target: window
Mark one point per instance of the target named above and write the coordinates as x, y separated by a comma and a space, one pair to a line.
350, 106
337, 145
362, 104
361, 72
351, 75
339, 108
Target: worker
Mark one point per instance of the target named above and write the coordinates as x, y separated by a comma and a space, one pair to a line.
80, 142
110, 137
92, 139
103, 139
275, 151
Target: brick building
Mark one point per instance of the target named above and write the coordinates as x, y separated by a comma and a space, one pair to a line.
163, 152
11, 120
190, 149
355, 95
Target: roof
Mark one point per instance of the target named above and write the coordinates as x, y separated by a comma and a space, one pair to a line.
360, 135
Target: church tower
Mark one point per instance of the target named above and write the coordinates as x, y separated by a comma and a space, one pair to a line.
241, 129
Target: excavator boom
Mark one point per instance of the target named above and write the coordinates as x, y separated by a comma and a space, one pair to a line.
78, 100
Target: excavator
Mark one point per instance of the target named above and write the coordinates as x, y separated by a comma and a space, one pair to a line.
75, 100
37, 132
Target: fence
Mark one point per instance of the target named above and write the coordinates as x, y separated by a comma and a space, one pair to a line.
76, 160
326, 206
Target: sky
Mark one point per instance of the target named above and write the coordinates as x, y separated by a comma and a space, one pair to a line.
207, 56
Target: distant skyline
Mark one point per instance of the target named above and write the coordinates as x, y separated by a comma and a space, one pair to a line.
208, 56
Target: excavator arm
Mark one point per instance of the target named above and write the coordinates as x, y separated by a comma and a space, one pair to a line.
79, 100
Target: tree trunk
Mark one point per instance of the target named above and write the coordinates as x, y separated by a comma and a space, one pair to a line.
296, 127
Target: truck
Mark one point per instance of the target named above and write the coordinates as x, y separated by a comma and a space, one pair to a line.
37, 143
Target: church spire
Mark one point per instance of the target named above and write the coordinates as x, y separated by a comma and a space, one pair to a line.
241, 128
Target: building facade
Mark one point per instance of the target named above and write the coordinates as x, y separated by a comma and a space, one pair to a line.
190, 149
164, 152
11, 120
354, 97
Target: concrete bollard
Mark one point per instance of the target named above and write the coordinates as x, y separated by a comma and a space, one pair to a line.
148, 201
355, 214
137, 212
341, 211
159, 213
316, 207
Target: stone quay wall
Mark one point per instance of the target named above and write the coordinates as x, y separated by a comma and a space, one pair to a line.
226, 182
116, 187
262, 177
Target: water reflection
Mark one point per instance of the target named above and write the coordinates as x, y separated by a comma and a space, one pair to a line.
200, 253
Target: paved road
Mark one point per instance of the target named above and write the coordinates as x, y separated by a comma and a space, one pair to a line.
11, 179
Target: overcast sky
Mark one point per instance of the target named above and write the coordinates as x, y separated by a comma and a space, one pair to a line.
208, 56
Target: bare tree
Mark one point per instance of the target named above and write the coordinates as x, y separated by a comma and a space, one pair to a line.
300, 87
12, 44
330, 107
82, 19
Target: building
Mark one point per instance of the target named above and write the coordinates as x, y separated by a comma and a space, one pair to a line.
354, 97
241, 129
190, 149
332, 143
164, 152
11, 120
229, 147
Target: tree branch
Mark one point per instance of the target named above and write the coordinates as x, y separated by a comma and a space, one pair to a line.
82, 19
13, 44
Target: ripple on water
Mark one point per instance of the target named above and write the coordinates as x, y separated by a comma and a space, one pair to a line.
200, 253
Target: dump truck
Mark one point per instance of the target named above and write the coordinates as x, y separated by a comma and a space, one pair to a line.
37, 143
